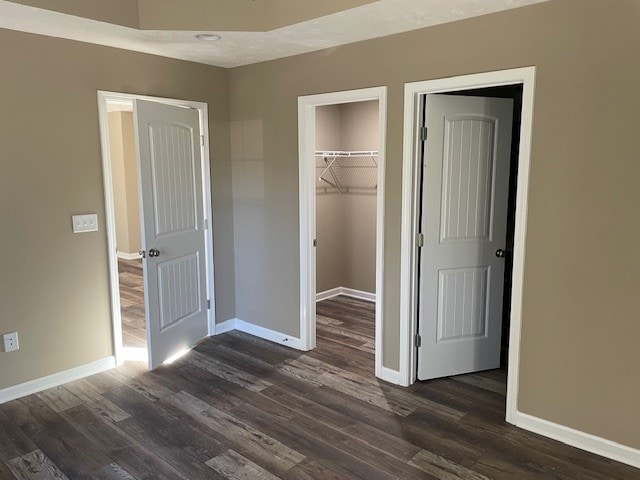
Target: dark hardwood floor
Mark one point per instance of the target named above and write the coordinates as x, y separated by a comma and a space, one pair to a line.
134, 333
240, 407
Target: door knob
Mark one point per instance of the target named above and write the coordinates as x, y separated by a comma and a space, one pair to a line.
154, 252
499, 253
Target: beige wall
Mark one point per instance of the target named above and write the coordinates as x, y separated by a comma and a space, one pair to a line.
120, 12
582, 271
195, 15
125, 181
359, 242
360, 131
346, 223
54, 284
225, 15
329, 211
581, 333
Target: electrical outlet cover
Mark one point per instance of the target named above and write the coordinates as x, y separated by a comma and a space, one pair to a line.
11, 342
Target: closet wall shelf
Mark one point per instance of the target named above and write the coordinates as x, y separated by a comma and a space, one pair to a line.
338, 164
347, 153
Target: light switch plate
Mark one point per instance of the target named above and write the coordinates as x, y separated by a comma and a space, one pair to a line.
85, 223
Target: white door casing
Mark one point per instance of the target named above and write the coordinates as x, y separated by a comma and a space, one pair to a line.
464, 205
172, 223
306, 130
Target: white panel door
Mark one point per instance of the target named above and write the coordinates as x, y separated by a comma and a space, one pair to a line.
173, 236
464, 218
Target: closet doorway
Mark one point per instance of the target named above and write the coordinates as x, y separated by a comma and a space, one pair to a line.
342, 220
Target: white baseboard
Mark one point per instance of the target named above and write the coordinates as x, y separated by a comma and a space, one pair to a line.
575, 438
226, 326
128, 256
334, 292
56, 379
388, 375
260, 332
349, 292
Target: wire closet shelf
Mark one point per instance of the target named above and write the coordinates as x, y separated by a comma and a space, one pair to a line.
351, 171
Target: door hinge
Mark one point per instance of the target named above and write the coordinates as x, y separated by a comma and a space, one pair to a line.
418, 340
420, 240
315, 242
208, 304
423, 133
202, 140
205, 224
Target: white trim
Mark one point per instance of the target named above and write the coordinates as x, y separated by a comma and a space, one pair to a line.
258, 331
307, 199
104, 99
362, 295
56, 379
267, 334
110, 223
389, 375
349, 292
203, 111
127, 256
135, 354
226, 326
408, 270
327, 294
576, 438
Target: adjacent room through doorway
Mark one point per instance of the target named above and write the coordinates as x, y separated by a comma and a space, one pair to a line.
127, 226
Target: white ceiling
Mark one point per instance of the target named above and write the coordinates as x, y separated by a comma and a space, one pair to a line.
378, 19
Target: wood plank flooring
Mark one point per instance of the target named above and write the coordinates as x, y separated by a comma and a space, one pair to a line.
134, 333
243, 408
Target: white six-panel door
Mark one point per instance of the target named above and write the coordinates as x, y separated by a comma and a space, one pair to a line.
173, 235
464, 216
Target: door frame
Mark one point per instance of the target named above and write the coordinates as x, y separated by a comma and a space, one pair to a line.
104, 98
307, 204
408, 267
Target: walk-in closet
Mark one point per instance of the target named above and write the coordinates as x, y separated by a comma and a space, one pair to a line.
346, 161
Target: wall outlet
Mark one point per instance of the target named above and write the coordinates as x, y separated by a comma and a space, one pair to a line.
11, 341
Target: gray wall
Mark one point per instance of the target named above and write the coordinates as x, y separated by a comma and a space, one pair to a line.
346, 223
361, 131
582, 268
329, 204
54, 285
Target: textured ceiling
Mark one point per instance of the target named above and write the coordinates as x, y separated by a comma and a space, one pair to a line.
378, 19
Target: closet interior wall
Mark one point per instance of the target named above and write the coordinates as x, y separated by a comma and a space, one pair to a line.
346, 222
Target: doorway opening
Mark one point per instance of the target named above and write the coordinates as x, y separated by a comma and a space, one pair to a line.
127, 229
467, 190
342, 143
523, 78
156, 172
346, 172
